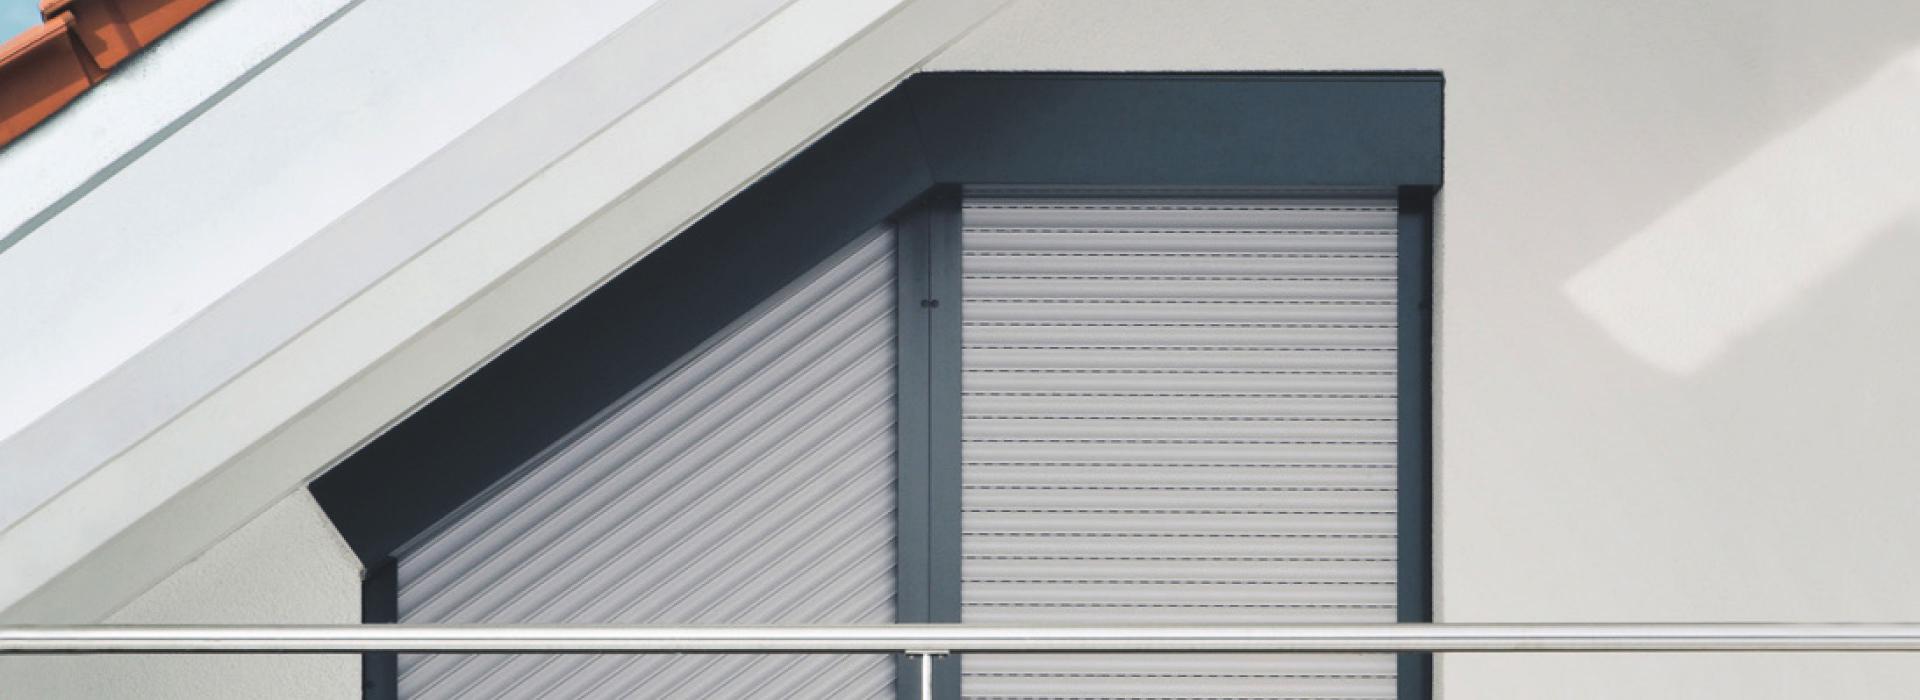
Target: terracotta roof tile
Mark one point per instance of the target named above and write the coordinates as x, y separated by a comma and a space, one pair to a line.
47, 66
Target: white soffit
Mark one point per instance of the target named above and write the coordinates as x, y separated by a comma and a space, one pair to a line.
265, 418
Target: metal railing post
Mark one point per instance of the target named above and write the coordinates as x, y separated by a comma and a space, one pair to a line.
926, 671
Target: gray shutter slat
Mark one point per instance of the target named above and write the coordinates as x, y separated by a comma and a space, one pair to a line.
1219, 403
1178, 409
1348, 677
1247, 288
750, 483
979, 381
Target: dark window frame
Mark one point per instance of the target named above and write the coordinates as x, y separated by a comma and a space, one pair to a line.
904, 157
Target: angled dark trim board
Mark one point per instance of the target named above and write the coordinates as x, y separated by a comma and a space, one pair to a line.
916, 144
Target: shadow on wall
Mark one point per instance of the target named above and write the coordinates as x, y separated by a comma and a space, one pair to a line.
1734, 254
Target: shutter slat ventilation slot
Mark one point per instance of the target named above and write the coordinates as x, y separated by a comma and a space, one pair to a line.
750, 483
1178, 409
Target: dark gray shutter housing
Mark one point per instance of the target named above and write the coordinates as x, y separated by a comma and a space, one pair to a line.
1178, 408
751, 483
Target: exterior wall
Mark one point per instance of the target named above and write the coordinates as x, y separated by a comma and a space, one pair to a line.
286, 566
1674, 299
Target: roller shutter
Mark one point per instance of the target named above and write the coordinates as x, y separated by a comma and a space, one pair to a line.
1178, 408
751, 483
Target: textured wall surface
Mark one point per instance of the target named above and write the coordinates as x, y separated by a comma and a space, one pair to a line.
286, 566
1675, 304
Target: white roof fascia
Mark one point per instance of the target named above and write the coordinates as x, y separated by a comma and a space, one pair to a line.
152, 94
469, 294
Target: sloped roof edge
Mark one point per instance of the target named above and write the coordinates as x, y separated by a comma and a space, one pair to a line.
573, 223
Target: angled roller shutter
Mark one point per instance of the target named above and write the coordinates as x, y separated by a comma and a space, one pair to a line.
751, 483
1178, 409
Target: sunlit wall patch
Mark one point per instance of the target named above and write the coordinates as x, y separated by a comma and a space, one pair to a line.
1743, 248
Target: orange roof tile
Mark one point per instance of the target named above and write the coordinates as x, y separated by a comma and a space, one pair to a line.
47, 66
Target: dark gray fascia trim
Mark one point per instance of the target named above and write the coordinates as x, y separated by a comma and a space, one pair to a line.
1267, 130
1415, 440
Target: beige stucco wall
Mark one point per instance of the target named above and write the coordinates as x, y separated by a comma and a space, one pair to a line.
287, 565
1676, 306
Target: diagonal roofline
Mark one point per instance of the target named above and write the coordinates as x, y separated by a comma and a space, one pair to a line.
587, 192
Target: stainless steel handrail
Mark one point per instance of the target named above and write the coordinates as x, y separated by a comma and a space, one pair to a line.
939, 639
